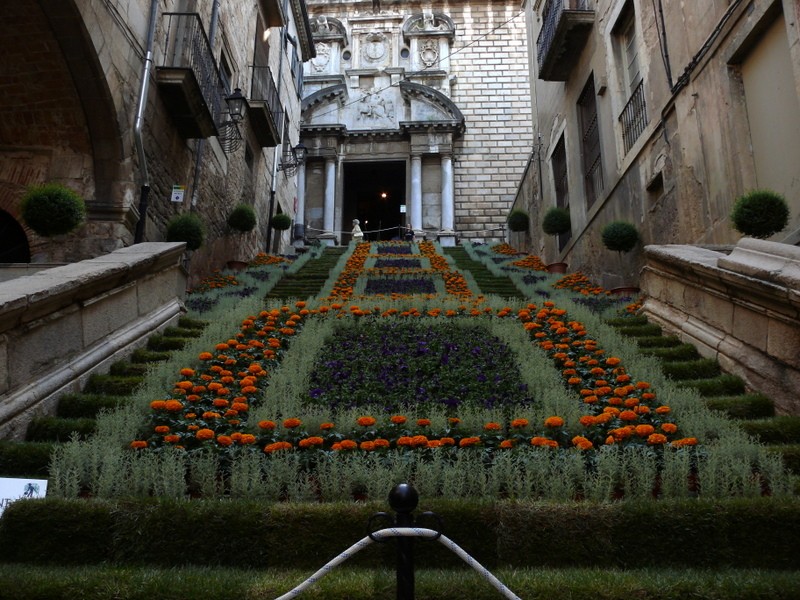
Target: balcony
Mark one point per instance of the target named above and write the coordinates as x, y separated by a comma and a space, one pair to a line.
264, 108
188, 80
271, 12
566, 25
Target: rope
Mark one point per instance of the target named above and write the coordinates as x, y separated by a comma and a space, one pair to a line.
401, 532
366, 231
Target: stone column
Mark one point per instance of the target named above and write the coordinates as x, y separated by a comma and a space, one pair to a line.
330, 198
416, 193
447, 235
300, 214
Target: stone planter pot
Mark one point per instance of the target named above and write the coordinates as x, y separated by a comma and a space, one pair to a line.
236, 265
626, 290
559, 267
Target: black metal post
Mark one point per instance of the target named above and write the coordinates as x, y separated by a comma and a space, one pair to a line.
403, 499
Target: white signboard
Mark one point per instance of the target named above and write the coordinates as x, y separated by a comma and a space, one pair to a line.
12, 490
178, 192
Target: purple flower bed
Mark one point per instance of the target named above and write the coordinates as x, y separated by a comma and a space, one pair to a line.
405, 285
402, 365
395, 249
398, 263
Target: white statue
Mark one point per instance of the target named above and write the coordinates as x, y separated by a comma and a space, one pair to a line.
358, 235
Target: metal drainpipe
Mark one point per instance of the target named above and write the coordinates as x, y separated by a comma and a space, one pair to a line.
212, 34
276, 152
138, 236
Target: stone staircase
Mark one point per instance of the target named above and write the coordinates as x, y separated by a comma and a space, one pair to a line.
484, 278
308, 280
76, 413
720, 391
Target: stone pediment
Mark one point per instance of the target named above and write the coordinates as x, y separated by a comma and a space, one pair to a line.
381, 109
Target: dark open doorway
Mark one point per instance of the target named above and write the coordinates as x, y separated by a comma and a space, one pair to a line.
14, 246
375, 194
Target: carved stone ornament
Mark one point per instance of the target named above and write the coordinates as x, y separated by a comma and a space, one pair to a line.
429, 53
320, 62
373, 47
374, 109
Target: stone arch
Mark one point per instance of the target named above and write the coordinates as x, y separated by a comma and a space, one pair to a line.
436, 98
429, 23
63, 106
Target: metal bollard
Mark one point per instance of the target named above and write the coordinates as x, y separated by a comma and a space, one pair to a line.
403, 498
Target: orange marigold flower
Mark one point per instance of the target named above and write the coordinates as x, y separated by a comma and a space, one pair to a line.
587, 420
327, 426
310, 442
648, 396
582, 443
210, 414
138, 444
644, 430
554, 422
423, 422
506, 444
277, 446
469, 441
574, 380
224, 440
454, 420
669, 427
398, 419
158, 404
367, 446
519, 423
663, 410
240, 407
690, 441
246, 439
184, 385
381, 443
292, 423
613, 361
419, 440
172, 439
220, 402
186, 372
162, 429
190, 415
192, 427
366, 421
204, 434
348, 445
447, 441
492, 426
205, 356
628, 415
656, 439
268, 425
173, 405
642, 385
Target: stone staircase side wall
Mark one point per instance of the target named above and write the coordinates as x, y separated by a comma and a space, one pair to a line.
60, 325
742, 309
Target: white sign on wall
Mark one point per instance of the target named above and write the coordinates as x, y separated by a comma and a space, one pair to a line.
178, 192
12, 489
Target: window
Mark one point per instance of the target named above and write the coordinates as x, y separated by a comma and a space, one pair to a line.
633, 118
225, 73
590, 143
559, 163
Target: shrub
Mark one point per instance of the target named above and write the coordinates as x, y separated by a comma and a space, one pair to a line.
186, 228
52, 209
518, 220
556, 221
242, 218
620, 236
281, 222
760, 213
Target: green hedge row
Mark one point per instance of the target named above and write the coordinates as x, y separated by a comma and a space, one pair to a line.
740, 533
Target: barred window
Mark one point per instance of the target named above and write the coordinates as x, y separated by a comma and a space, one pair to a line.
590, 143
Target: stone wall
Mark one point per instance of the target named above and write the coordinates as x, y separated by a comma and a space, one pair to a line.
60, 325
742, 309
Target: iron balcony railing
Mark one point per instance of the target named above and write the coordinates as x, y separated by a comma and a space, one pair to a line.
551, 16
634, 117
187, 47
263, 89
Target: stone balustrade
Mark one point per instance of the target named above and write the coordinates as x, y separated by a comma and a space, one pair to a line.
60, 325
741, 308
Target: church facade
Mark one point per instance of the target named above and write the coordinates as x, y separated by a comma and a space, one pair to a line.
415, 116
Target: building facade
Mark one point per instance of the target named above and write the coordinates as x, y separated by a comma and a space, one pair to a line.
416, 115
660, 114
129, 104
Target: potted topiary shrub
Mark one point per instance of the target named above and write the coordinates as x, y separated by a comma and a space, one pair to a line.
518, 220
760, 213
557, 221
281, 222
52, 209
188, 228
621, 237
242, 218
